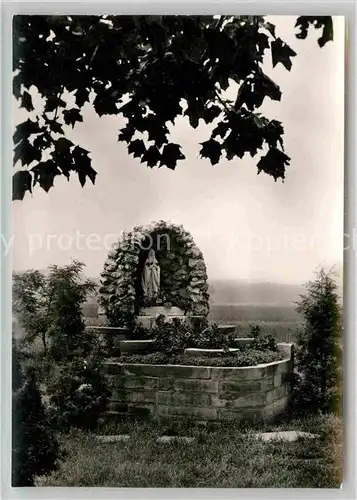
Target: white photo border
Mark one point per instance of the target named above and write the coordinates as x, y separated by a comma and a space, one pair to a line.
303, 7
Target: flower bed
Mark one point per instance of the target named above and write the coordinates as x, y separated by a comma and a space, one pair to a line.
248, 357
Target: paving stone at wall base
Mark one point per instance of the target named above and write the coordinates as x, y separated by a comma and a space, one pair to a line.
113, 439
285, 435
179, 439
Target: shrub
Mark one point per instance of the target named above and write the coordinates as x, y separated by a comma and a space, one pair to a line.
49, 306
211, 338
78, 389
35, 450
70, 363
174, 337
262, 342
318, 355
170, 338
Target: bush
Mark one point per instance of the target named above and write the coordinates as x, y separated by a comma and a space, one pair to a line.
174, 337
35, 450
262, 342
77, 388
211, 338
70, 363
170, 338
318, 357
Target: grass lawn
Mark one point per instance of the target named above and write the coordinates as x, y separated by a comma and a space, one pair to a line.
222, 455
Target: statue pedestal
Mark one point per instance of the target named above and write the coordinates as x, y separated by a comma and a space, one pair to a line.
148, 315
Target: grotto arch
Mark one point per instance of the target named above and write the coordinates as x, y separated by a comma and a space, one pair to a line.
183, 274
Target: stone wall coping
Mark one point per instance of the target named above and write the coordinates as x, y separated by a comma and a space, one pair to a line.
195, 351
107, 328
133, 342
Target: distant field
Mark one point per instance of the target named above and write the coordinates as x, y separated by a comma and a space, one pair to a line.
252, 312
280, 321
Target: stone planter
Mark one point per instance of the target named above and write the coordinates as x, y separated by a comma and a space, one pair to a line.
200, 392
227, 329
136, 346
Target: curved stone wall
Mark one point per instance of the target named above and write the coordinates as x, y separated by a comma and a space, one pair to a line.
205, 393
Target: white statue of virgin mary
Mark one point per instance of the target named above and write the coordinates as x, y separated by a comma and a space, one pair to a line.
150, 279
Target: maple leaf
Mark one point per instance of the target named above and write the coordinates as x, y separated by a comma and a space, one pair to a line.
26, 152
83, 165
62, 156
21, 182
318, 22
71, 116
81, 96
45, 173
152, 156
281, 53
211, 149
170, 155
52, 103
55, 126
221, 130
26, 101
105, 105
210, 113
137, 148
25, 129
126, 133
274, 163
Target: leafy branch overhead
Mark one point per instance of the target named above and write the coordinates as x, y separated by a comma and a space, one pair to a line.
149, 70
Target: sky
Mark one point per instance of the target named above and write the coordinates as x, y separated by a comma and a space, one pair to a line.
247, 226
